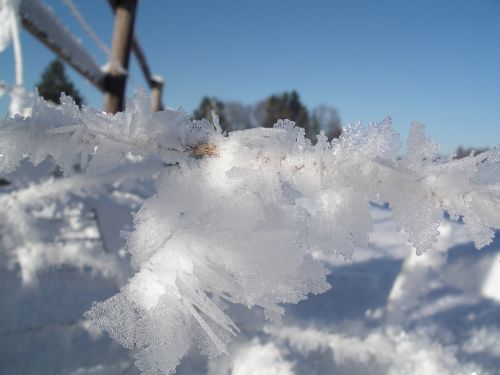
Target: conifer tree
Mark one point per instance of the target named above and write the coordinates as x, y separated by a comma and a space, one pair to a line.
287, 105
54, 81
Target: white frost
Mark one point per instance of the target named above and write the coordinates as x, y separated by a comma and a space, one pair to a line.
241, 226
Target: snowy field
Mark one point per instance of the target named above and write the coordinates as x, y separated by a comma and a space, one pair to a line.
388, 311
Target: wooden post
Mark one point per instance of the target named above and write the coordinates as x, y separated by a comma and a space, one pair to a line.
156, 93
122, 42
155, 82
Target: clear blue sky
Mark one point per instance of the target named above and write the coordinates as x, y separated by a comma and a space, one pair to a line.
437, 62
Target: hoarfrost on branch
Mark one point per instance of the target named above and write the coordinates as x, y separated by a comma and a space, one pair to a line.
243, 225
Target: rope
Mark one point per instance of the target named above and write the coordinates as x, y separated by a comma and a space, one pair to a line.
6, 88
86, 27
18, 55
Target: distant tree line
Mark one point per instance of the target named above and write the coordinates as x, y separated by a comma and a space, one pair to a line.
237, 116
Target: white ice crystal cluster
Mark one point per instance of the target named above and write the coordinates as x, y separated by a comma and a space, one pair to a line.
97, 141
242, 225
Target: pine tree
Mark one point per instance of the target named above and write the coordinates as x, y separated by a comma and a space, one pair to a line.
288, 106
54, 81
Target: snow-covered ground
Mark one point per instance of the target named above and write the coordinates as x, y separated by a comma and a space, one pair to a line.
388, 311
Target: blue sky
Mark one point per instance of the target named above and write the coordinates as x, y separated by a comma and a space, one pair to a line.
437, 62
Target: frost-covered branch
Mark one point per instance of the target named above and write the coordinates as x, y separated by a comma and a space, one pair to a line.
98, 141
243, 227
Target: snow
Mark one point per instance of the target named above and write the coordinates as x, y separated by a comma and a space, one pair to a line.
263, 223
157, 78
335, 331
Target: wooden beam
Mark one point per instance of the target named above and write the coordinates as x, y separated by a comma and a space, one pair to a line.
141, 58
34, 18
123, 33
155, 82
